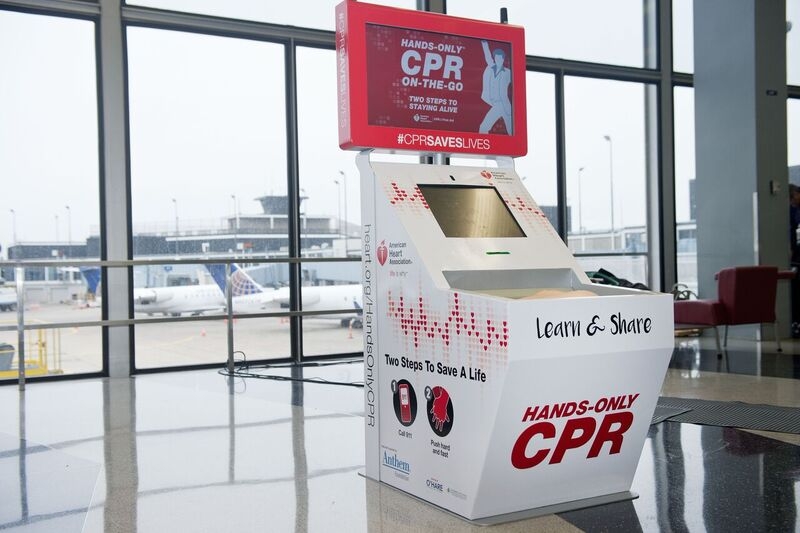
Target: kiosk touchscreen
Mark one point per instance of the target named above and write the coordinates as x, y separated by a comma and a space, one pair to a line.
498, 379
470, 211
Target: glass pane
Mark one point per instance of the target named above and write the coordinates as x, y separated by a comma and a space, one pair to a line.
631, 268
537, 169
793, 42
208, 148
54, 351
683, 36
181, 344
307, 14
208, 160
332, 286
330, 211
323, 335
193, 290
605, 136
685, 222
48, 142
584, 30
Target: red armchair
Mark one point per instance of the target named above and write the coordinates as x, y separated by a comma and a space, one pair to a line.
745, 295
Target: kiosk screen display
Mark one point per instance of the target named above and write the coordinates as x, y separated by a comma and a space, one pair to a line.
470, 212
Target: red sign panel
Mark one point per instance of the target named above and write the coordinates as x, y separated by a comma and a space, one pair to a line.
418, 81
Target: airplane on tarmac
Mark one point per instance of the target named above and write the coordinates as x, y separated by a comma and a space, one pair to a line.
173, 301
249, 296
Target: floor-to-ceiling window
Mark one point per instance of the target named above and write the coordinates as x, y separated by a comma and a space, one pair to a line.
208, 179
215, 171
605, 136
330, 212
49, 195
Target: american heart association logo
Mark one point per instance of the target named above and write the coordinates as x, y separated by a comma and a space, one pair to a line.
486, 174
382, 253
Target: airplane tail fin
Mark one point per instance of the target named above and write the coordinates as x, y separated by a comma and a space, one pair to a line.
241, 283
92, 277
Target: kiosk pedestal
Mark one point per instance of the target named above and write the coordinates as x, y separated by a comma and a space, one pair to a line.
498, 378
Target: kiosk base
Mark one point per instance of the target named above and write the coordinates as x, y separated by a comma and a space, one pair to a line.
554, 509
535, 512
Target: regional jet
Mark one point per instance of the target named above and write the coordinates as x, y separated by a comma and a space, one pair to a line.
169, 301
250, 297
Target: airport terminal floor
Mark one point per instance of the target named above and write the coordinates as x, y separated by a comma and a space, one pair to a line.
197, 451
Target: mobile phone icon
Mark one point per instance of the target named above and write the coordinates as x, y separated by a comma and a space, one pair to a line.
405, 403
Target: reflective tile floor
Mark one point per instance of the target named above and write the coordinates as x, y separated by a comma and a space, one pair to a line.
195, 451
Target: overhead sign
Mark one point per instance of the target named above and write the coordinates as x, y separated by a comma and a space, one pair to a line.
409, 80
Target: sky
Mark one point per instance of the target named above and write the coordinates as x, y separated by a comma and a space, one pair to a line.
208, 130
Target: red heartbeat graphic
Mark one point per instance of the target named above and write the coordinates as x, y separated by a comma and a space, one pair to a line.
416, 321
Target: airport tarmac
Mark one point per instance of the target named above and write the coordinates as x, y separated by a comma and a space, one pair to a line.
73, 350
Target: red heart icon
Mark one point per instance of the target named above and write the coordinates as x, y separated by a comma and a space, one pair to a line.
382, 253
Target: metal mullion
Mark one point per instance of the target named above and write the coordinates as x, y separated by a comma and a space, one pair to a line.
171, 261
793, 91
592, 70
682, 79
164, 320
661, 232
115, 175
227, 27
293, 194
101, 143
74, 8
561, 157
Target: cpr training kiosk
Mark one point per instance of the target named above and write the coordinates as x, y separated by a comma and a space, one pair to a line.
498, 378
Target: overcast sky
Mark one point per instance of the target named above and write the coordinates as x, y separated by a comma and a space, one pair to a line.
207, 117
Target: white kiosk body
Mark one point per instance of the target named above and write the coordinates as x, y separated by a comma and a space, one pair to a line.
485, 394
489, 387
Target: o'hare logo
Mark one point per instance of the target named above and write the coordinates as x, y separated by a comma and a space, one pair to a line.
382, 253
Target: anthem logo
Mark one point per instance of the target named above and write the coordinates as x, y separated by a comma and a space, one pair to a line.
382, 253
398, 465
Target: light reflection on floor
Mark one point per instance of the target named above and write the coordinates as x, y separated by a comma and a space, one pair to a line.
196, 451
